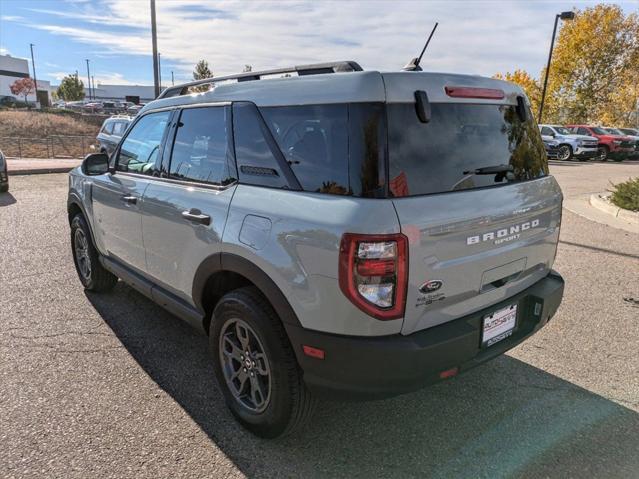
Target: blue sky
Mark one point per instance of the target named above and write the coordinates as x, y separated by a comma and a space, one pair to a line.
474, 36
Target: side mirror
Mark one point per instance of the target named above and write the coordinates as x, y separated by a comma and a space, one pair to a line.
95, 164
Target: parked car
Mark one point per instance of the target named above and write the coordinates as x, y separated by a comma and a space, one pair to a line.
551, 145
358, 235
4, 174
616, 147
571, 145
135, 109
633, 138
111, 132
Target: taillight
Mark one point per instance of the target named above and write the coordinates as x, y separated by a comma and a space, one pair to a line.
472, 92
373, 273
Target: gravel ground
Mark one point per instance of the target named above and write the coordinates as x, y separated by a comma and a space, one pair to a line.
113, 386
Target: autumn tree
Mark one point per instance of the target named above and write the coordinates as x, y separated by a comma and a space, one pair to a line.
22, 86
595, 59
71, 88
530, 85
594, 70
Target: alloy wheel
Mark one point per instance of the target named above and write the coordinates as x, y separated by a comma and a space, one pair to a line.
82, 258
245, 366
564, 152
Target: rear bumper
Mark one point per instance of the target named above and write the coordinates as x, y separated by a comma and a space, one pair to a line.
356, 367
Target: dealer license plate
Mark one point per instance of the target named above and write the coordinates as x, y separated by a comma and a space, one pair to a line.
499, 325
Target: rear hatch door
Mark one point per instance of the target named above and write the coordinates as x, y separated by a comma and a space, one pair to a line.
474, 238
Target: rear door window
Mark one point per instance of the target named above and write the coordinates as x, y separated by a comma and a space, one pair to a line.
202, 148
442, 155
108, 128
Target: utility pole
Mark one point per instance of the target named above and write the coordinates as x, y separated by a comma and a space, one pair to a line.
172, 79
88, 77
35, 79
160, 70
154, 40
93, 81
562, 16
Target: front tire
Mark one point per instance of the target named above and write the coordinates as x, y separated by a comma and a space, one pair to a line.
256, 367
564, 153
86, 258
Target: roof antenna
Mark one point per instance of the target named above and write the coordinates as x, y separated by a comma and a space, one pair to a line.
413, 65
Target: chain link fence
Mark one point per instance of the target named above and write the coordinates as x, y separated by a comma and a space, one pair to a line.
58, 146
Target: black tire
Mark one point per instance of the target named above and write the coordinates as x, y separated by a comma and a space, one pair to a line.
96, 278
289, 403
604, 153
4, 188
618, 159
564, 152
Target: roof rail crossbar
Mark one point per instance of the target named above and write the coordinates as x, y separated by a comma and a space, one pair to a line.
301, 70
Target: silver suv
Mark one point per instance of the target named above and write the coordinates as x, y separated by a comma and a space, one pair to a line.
335, 232
571, 145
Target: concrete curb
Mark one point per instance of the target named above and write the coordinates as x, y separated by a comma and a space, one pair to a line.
40, 171
602, 203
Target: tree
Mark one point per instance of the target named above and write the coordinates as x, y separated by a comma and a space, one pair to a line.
530, 85
22, 86
201, 72
71, 89
595, 67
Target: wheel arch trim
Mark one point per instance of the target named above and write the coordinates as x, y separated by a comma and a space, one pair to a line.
220, 262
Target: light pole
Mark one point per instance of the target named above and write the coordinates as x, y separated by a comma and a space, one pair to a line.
172, 79
88, 77
160, 70
154, 40
563, 16
35, 79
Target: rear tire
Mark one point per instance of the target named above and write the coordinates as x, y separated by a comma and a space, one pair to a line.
4, 188
604, 153
86, 258
244, 321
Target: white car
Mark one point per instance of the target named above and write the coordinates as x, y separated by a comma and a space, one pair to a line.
571, 145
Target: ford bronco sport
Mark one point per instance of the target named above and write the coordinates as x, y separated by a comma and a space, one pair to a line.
337, 232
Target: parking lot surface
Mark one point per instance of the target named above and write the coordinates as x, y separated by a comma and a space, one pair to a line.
114, 386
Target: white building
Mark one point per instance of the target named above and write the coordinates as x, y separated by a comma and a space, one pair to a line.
134, 93
12, 69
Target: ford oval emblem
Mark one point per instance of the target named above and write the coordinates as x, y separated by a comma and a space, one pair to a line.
430, 286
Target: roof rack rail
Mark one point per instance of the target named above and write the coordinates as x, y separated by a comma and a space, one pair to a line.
301, 70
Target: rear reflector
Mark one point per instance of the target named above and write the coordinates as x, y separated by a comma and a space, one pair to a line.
470, 92
313, 352
449, 373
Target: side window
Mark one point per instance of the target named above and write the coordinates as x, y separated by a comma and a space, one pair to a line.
314, 140
118, 128
141, 147
583, 131
108, 128
255, 156
202, 149
546, 131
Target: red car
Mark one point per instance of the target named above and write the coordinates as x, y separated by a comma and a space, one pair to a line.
616, 147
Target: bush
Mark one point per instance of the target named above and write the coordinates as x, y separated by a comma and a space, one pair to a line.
626, 195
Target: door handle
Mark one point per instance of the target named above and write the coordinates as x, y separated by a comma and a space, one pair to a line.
196, 216
132, 200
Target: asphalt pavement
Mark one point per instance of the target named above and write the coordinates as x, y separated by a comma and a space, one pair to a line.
113, 386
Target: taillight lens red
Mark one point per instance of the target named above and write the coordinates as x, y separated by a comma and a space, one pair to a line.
373, 273
471, 92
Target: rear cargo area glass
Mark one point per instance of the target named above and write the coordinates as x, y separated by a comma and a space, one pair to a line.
440, 156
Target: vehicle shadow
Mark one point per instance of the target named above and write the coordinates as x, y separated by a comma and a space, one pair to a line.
505, 419
7, 199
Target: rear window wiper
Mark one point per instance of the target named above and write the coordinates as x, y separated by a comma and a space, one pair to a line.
490, 170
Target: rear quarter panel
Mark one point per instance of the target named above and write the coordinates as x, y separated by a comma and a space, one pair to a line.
300, 250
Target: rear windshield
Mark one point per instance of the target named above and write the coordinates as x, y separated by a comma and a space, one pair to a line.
441, 155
